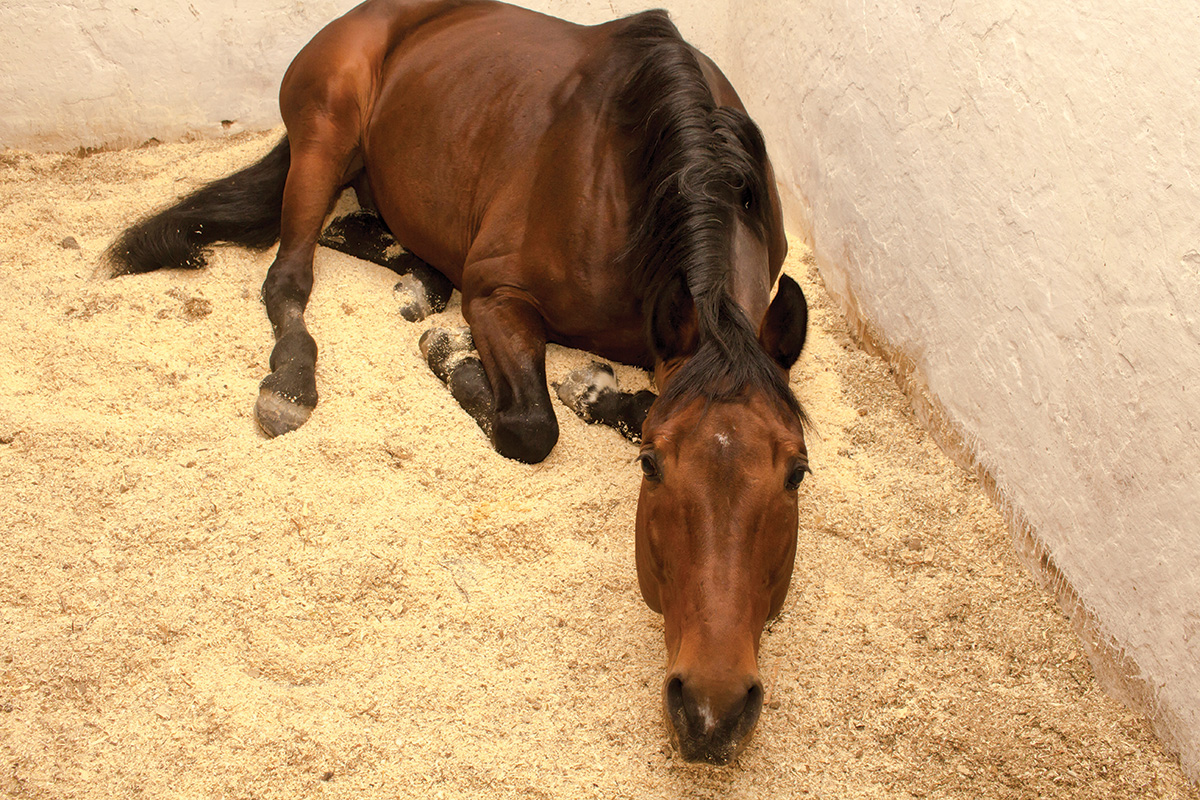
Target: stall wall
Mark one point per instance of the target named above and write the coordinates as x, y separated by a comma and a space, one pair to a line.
1003, 195
99, 73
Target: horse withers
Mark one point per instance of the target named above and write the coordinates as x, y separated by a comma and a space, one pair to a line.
599, 187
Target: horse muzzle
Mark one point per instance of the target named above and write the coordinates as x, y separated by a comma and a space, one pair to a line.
709, 721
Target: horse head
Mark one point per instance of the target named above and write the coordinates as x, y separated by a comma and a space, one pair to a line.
716, 536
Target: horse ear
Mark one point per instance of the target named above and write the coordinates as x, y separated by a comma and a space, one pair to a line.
673, 329
785, 325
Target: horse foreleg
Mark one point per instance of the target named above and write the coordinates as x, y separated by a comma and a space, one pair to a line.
592, 393
510, 336
452, 357
504, 387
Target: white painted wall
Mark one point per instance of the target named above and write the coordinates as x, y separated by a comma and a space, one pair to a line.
1006, 194
117, 72
97, 73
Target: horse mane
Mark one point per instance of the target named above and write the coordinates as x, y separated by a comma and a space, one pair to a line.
702, 168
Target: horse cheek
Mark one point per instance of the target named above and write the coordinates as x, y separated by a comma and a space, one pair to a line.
648, 579
783, 571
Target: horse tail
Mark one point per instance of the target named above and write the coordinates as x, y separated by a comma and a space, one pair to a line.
243, 208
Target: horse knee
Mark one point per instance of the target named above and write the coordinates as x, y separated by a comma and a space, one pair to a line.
525, 434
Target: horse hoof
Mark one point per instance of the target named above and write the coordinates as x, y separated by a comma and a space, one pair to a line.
443, 349
580, 389
362, 234
277, 415
414, 303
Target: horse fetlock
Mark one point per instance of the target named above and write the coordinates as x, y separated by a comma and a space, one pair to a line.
410, 293
444, 348
294, 347
582, 388
432, 287
294, 381
469, 385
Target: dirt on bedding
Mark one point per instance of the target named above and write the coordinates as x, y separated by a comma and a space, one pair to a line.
378, 605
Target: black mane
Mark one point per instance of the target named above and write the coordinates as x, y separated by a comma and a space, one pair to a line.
702, 168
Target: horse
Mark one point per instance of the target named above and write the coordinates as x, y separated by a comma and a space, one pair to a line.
600, 187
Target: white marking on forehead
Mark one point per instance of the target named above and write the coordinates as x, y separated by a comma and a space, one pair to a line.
722, 439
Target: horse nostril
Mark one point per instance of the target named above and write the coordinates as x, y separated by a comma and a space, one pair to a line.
674, 700
698, 716
753, 707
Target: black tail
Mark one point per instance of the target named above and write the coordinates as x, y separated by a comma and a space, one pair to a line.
242, 208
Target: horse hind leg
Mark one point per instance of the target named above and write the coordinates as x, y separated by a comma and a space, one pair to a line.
592, 393
421, 291
319, 162
327, 94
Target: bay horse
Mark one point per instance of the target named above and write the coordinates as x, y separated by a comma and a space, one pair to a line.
599, 187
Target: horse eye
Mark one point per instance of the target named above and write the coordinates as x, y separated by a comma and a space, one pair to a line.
796, 476
649, 466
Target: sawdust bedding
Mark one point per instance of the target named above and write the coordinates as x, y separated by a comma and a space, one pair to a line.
379, 606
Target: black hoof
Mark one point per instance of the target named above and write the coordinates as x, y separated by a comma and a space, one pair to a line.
443, 349
277, 415
287, 397
527, 435
422, 292
580, 390
362, 234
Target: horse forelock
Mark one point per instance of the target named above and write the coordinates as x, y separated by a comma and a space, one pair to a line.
702, 169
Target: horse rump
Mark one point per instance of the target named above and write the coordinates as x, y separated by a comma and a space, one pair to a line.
242, 208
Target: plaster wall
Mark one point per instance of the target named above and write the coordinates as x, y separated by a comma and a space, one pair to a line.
118, 72
92, 73
1002, 194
